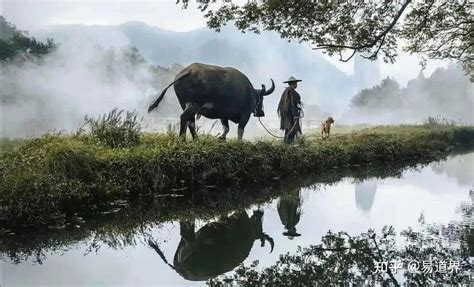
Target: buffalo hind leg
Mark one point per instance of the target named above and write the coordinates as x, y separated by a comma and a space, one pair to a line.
192, 127
186, 117
225, 125
243, 122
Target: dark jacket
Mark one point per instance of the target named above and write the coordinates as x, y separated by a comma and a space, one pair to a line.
289, 109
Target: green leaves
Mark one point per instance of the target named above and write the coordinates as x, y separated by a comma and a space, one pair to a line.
342, 259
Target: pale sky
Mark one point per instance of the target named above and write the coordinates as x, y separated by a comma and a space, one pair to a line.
32, 14
29, 14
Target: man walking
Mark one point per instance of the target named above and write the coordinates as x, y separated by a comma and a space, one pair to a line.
289, 110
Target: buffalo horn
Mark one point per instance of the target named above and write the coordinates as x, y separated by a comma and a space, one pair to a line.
266, 93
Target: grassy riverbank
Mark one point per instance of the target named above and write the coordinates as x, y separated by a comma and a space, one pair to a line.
52, 178
123, 221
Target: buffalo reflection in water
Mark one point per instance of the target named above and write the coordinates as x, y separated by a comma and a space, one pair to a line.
217, 247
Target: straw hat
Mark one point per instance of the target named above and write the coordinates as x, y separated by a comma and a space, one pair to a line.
292, 80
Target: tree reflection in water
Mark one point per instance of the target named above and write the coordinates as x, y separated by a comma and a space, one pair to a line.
342, 258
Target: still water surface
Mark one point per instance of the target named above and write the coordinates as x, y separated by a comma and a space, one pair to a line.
299, 219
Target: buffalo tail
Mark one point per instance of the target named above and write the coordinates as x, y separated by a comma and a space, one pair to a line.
157, 102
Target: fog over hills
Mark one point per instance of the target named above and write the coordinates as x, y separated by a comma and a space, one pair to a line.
446, 95
260, 57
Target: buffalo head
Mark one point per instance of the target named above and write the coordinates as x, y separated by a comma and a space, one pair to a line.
259, 99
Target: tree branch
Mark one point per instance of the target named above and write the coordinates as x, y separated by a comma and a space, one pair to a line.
389, 272
375, 40
374, 55
464, 50
347, 59
332, 249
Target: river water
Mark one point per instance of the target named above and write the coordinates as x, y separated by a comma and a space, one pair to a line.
300, 218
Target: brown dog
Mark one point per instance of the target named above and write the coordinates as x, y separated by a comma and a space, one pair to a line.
326, 127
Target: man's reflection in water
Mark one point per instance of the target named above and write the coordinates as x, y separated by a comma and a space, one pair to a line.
289, 210
217, 247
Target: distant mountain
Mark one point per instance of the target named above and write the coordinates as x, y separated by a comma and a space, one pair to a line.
260, 57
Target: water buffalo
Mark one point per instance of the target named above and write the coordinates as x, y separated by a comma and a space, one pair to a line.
217, 93
217, 247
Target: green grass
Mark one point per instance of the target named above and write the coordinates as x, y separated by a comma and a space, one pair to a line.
9, 145
49, 179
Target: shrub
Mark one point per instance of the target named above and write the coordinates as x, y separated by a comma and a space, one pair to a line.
439, 120
114, 129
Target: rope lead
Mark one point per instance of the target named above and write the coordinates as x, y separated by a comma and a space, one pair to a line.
279, 137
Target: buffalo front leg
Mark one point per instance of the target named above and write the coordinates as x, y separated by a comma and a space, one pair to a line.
186, 117
225, 126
